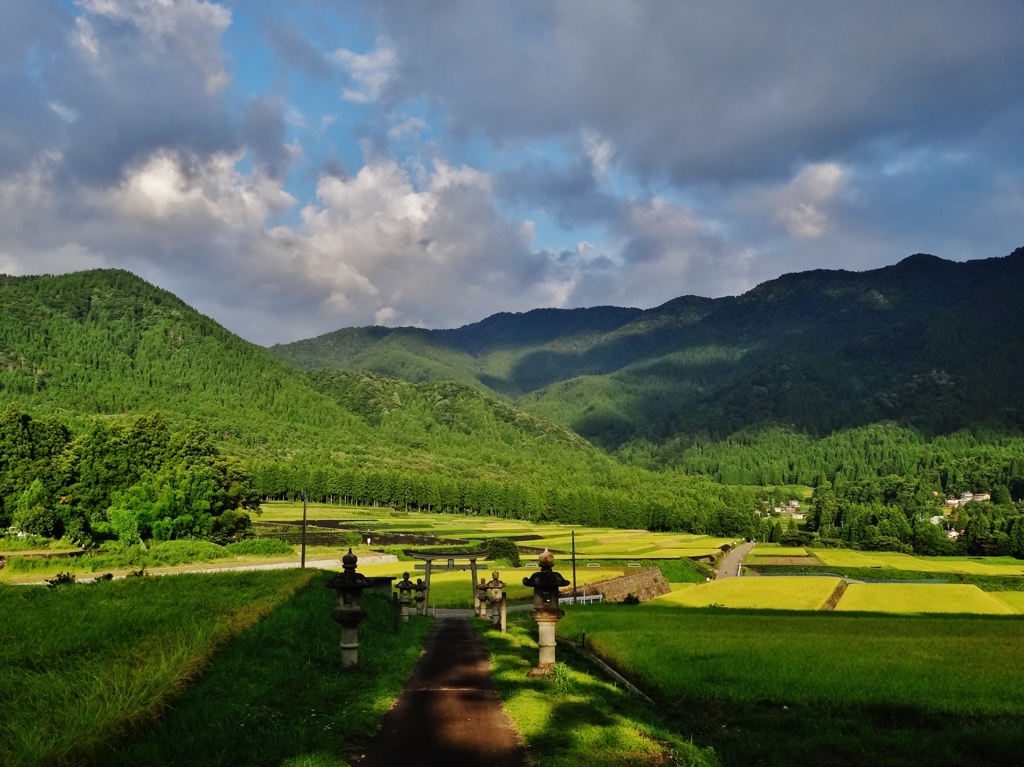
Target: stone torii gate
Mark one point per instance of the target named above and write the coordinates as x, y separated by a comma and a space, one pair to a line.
447, 563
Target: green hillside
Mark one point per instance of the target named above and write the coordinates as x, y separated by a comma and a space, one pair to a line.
928, 344
85, 353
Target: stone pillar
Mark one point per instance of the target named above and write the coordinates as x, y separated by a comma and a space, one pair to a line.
495, 595
426, 604
420, 596
348, 610
480, 599
504, 613
545, 584
405, 587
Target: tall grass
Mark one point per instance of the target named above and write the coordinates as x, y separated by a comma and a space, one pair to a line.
81, 666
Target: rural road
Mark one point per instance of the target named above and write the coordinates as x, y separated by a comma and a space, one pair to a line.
448, 713
729, 567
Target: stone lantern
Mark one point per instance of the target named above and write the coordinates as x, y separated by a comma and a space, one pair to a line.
480, 599
405, 587
421, 596
496, 594
545, 584
348, 611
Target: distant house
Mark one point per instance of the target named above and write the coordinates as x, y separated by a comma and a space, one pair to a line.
952, 535
953, 503
796, 516
982, 497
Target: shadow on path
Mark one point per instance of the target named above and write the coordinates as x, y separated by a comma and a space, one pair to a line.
448, 713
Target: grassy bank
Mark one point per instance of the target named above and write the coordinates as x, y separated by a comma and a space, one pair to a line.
773, 688
276, 695
81, 666
576, 717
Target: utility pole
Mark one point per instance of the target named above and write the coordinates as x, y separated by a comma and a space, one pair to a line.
303, 527
574, 567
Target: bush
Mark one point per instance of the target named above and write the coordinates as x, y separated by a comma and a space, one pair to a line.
61, 579
503, 548
260, 547
169, 553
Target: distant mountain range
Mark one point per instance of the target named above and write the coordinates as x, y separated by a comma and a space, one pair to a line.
930, 344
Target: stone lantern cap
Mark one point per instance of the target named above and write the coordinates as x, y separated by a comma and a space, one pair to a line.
348, 579
496, 582
546, 578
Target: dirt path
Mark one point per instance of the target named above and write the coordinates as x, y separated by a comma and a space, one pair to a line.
729, 567
448, 713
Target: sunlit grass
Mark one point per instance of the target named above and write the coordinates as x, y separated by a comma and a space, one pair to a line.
576, 717
782, 593
921, 598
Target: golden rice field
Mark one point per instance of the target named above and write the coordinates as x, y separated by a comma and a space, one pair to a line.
910, 598
776, 593
884, 559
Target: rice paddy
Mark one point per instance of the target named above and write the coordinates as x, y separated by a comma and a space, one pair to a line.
782, 593
909, 598
823, 687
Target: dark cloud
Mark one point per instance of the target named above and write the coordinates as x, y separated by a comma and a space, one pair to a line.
296, 51
709, 91
264, 132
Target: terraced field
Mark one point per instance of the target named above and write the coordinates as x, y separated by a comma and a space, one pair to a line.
593, 543
881, 559
911, 598
782, 593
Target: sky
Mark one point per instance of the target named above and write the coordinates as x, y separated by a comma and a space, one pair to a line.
293, 168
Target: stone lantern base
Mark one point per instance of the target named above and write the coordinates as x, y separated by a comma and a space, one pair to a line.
546, 619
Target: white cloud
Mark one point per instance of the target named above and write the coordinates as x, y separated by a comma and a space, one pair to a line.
369, 71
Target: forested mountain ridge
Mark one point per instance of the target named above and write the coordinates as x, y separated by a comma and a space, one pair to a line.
925, 343
90, 353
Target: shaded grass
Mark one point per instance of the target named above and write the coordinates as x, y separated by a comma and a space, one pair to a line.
775, 688
575, 717
277, 696
81, 666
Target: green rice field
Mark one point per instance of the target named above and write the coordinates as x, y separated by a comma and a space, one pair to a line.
823, 687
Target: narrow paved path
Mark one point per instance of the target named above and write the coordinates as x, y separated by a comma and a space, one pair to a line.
448, 714
729, 567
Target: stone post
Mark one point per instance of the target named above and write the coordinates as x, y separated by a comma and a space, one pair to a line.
421, 596
348, 610
545, 584
496, 597
405, 587
480, 600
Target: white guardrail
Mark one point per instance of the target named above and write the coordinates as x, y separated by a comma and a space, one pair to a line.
581, 600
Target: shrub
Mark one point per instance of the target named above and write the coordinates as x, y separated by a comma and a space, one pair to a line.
259, 547
503, 548
61, 579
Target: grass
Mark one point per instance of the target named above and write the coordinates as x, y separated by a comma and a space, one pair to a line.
782, 593
276, 697
83, 665
164, 554
777, 688
921, 598
576, 717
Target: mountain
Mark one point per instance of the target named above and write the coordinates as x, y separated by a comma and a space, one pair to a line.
106, 346
926, 343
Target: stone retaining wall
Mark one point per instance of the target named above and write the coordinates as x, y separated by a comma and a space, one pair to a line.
644, 585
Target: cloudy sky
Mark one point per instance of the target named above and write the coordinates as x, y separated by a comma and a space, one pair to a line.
291, 168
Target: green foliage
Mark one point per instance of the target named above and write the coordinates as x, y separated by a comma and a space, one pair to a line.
61, 579
504, 549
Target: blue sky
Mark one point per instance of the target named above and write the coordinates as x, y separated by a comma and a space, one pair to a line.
292, 168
